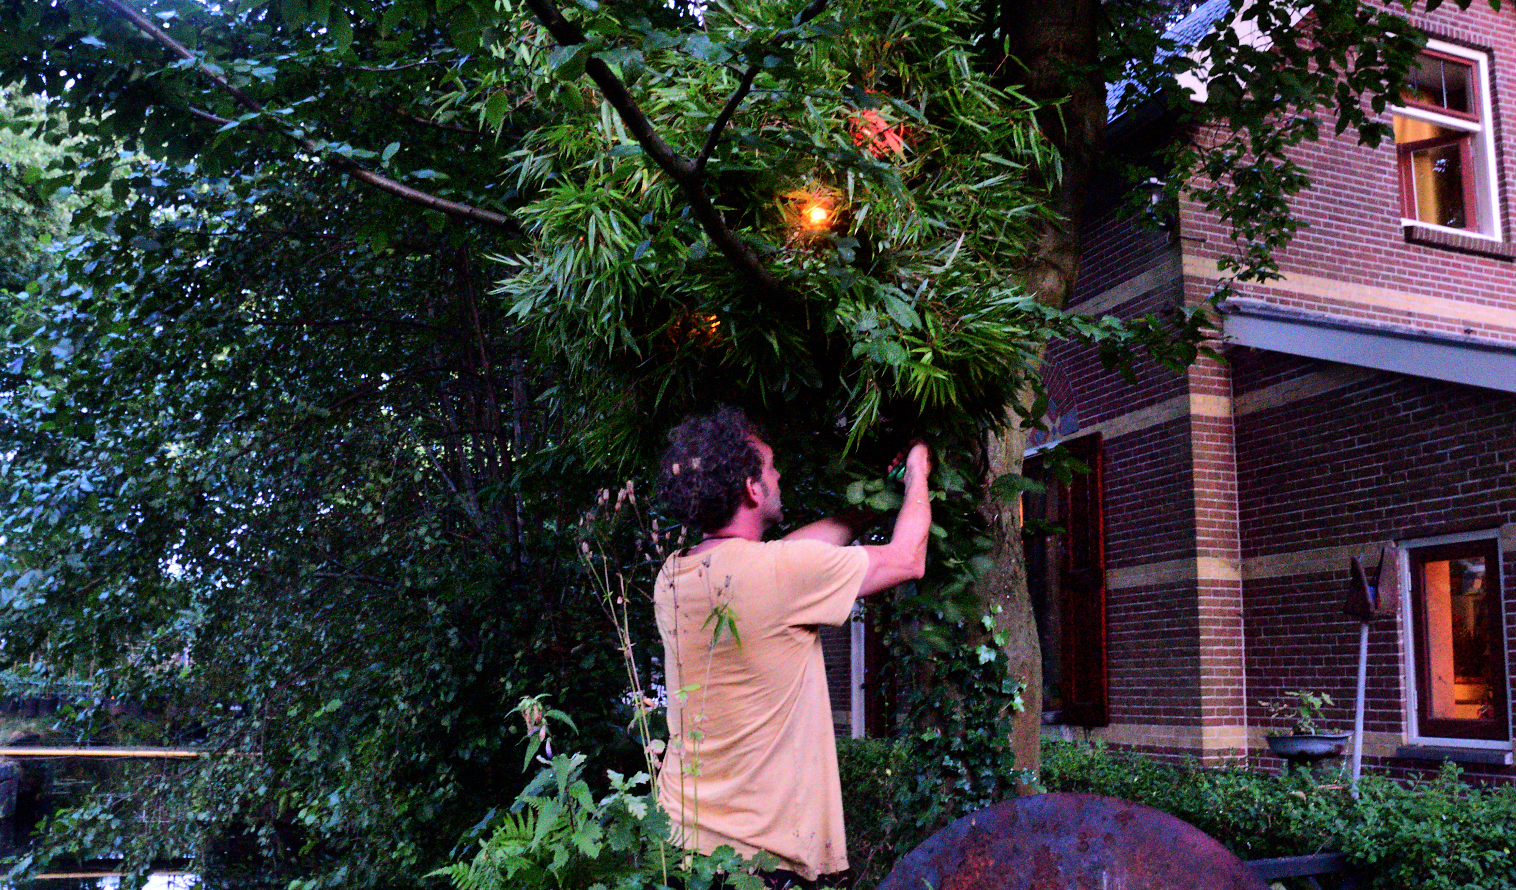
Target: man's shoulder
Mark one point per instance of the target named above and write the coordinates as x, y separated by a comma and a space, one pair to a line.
803, 547
808, 557
737, 553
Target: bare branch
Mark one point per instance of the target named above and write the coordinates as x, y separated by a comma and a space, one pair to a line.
436, 125
679, 168
745, 86
347, 165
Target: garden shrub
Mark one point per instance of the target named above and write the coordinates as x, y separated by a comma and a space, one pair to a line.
559, 835
1434, 834
871, 771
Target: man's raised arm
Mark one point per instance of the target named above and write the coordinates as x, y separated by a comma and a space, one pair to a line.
904, 557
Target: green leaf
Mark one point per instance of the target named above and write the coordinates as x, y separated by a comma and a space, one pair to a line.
701, 47
341, 29
496, 108
1010, 487
389, 152
567, 62
296, 12
901, 311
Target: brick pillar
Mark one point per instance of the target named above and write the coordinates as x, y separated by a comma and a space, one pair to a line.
1222, 679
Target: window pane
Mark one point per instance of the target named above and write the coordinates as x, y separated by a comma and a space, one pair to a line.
1463, 670
1439, 82
1437, 175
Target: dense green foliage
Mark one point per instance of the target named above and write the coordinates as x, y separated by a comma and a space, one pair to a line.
559, 835
296, 451
1431, 834
29, 220
880, 825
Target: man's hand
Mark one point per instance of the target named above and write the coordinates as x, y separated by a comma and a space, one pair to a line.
918, 463
847, 526
915, 459
904, 557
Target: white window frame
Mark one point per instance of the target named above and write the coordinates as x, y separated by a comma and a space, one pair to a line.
1408, 642
1485, 175
856, 666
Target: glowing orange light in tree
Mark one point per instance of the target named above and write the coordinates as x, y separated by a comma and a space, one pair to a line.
812, 212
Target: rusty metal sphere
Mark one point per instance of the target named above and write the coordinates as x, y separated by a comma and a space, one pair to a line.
1071, 842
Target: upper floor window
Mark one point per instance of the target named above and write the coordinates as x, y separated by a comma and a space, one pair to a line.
1445, 143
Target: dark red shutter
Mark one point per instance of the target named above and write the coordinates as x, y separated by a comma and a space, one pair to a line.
1083, 590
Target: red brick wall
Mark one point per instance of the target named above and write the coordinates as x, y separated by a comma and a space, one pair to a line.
1153, 638
1388, 458
1102, 395
1116, 249
1393, 457
1152, 652
1149, 497
1352, 213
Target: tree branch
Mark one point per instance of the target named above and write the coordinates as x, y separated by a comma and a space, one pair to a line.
347, 165
682, 170
425, 122
745, 86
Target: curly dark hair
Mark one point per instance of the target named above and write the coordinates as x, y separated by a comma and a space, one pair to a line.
709, 459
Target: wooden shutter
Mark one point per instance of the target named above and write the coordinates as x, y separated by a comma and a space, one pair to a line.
1082, 594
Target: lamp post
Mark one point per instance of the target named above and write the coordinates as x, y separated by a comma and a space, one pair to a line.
1367, 602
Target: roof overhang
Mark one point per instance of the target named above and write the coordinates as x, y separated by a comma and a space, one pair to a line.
1386, 347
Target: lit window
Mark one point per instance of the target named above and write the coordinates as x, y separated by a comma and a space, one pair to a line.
1460, 681
1445, 144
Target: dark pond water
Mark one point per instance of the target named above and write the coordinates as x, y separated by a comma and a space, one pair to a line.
49, 783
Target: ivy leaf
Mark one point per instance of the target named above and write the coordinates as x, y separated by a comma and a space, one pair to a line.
1010, 486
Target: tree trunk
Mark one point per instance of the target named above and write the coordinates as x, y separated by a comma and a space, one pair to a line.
1003, 590
1060, 43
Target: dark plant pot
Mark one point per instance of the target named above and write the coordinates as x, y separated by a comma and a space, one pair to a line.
1307, 749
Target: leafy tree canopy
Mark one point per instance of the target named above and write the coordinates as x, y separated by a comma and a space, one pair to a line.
308, 409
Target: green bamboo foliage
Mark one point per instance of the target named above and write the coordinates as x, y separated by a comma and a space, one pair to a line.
908, 297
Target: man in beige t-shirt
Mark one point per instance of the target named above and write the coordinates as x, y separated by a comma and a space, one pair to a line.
751, 762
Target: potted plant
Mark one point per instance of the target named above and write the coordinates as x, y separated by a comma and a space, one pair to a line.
1307, 742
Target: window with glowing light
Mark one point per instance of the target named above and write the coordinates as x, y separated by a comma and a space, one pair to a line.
1444, 143
1458, 641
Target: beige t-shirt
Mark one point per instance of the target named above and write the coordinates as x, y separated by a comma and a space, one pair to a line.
751, 761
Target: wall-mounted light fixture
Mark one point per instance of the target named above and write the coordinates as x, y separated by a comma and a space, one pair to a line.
1157, 207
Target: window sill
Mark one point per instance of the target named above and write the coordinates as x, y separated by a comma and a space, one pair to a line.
1482, 756
1500, 250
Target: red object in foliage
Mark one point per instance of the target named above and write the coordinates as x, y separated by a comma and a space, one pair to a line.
873, 132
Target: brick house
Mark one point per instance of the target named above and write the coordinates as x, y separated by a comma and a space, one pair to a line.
1367, 400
